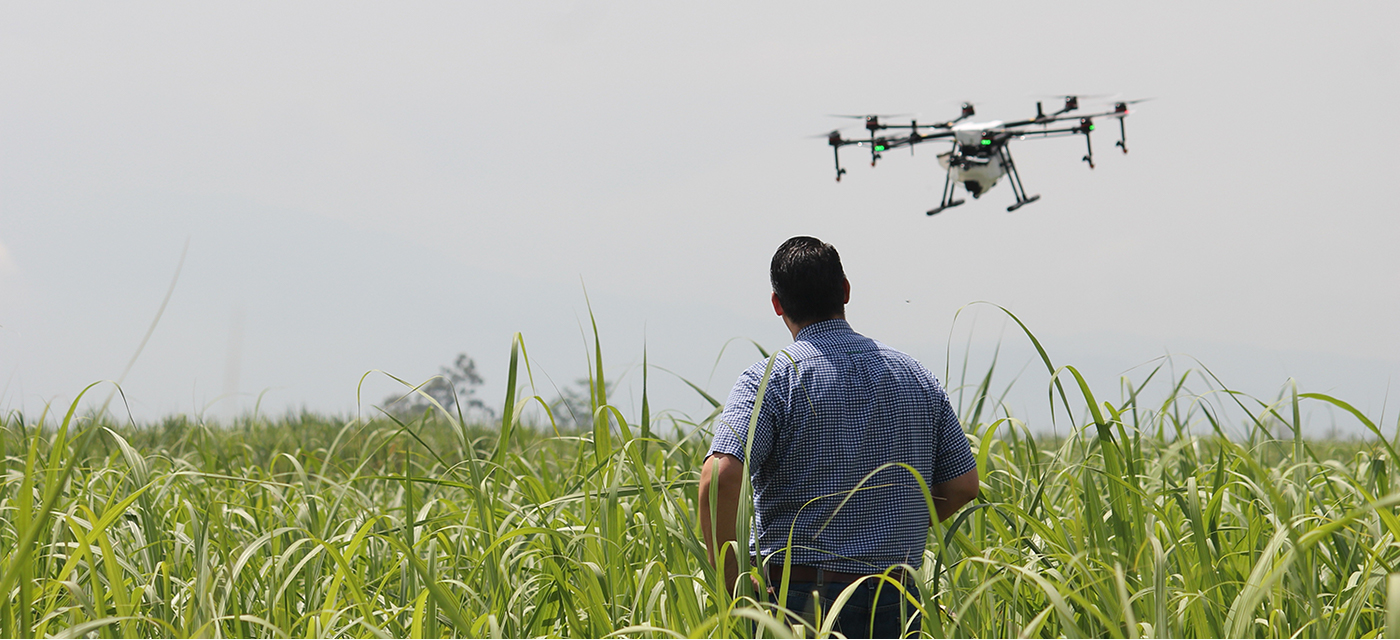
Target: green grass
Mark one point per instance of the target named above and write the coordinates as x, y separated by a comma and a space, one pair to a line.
1137, 521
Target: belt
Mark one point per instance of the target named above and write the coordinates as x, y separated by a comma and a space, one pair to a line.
801, 573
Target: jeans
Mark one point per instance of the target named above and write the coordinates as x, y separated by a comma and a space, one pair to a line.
863, 616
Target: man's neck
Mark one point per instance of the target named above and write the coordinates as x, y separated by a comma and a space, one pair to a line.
796, 328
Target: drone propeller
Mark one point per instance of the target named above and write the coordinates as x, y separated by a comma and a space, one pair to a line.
1113, 99
968, 109
1122, 105
872, 121
1082, 96
872, 115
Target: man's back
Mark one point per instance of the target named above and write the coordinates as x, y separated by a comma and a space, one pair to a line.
838, 406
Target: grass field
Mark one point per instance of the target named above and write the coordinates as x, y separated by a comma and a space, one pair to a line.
1137, 521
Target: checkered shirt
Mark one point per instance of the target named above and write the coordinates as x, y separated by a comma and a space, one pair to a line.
837, 406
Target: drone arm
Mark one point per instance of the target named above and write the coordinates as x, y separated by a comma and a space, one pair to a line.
1083, 129
1048, 133
911, 140
1060, 117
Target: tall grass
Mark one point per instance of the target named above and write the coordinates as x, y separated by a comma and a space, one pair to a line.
1139, 521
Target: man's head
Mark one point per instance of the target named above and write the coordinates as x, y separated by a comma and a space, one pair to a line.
808, 282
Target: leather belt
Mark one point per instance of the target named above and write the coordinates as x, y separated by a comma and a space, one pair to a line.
801, 573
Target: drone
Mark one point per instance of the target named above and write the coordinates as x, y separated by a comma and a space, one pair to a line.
981, 154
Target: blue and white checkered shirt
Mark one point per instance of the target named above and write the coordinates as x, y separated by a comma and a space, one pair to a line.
837, 406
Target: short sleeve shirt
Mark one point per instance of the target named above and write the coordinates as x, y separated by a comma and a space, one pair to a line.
838, 406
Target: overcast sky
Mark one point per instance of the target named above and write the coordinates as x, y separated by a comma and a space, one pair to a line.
381, 186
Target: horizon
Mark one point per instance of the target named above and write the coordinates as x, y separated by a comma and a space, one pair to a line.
364, 188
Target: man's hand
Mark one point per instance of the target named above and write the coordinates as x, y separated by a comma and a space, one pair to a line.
721, 479
951, 495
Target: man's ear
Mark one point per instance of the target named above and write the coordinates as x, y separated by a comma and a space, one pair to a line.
845, 284
777, 306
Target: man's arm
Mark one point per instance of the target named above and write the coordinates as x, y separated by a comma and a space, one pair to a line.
951, 495
721, 478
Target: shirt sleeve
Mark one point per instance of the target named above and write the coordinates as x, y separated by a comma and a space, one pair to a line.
731, 430
952, 455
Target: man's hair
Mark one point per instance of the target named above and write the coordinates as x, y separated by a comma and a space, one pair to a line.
807, 276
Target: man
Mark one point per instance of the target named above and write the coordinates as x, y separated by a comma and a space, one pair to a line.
837, 407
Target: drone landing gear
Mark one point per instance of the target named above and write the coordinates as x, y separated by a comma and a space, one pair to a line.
1022, 203
949, 205
947, 202
1014, 177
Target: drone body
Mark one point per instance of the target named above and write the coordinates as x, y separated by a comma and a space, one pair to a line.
979, 168
980, 155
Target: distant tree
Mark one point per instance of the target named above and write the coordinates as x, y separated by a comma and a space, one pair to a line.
574, 405
454, 386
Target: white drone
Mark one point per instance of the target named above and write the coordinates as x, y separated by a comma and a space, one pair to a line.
980, 155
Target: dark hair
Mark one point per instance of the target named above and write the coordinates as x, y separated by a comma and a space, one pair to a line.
807, 276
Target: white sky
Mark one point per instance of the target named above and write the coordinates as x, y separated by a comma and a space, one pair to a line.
375, 186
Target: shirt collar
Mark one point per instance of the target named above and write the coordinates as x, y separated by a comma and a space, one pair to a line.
823, 327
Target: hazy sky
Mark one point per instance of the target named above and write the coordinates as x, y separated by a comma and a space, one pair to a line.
382, 186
